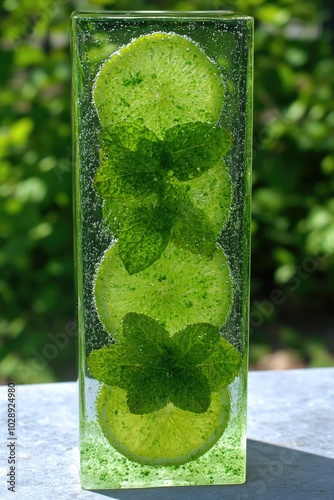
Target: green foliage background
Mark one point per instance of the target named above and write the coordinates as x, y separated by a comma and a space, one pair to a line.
293, 201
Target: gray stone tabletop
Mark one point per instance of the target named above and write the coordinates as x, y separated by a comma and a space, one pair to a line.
290, 443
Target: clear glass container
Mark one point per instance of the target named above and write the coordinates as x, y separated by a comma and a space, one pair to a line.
162, 120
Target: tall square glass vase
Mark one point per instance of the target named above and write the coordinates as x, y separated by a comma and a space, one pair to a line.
162, 150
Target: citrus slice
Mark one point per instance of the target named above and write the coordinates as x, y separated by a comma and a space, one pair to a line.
159, 80
178, 289
212, 193
170, 436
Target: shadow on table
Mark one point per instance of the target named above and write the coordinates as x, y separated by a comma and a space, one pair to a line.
273, 472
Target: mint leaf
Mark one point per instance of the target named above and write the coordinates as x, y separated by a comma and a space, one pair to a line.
222, 366
156, 369
193, 231
130, 163
190, 390
195, 147
116, 210
136, 165
136, 363
196, 342
146, 336
147, 388
143, 237
131, 136
146, 392
127, 173
112, 364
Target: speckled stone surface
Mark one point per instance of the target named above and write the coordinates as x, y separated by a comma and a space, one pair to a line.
290, 443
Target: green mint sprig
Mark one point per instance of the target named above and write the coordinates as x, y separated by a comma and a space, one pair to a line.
156, 369
137, 177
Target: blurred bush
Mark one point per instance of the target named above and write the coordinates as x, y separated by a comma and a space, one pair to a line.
293, 202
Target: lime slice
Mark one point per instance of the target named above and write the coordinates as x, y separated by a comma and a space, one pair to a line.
170, 436
179, 289
159, 80
212, 193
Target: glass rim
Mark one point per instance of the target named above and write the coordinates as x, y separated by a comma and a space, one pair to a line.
161, 14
